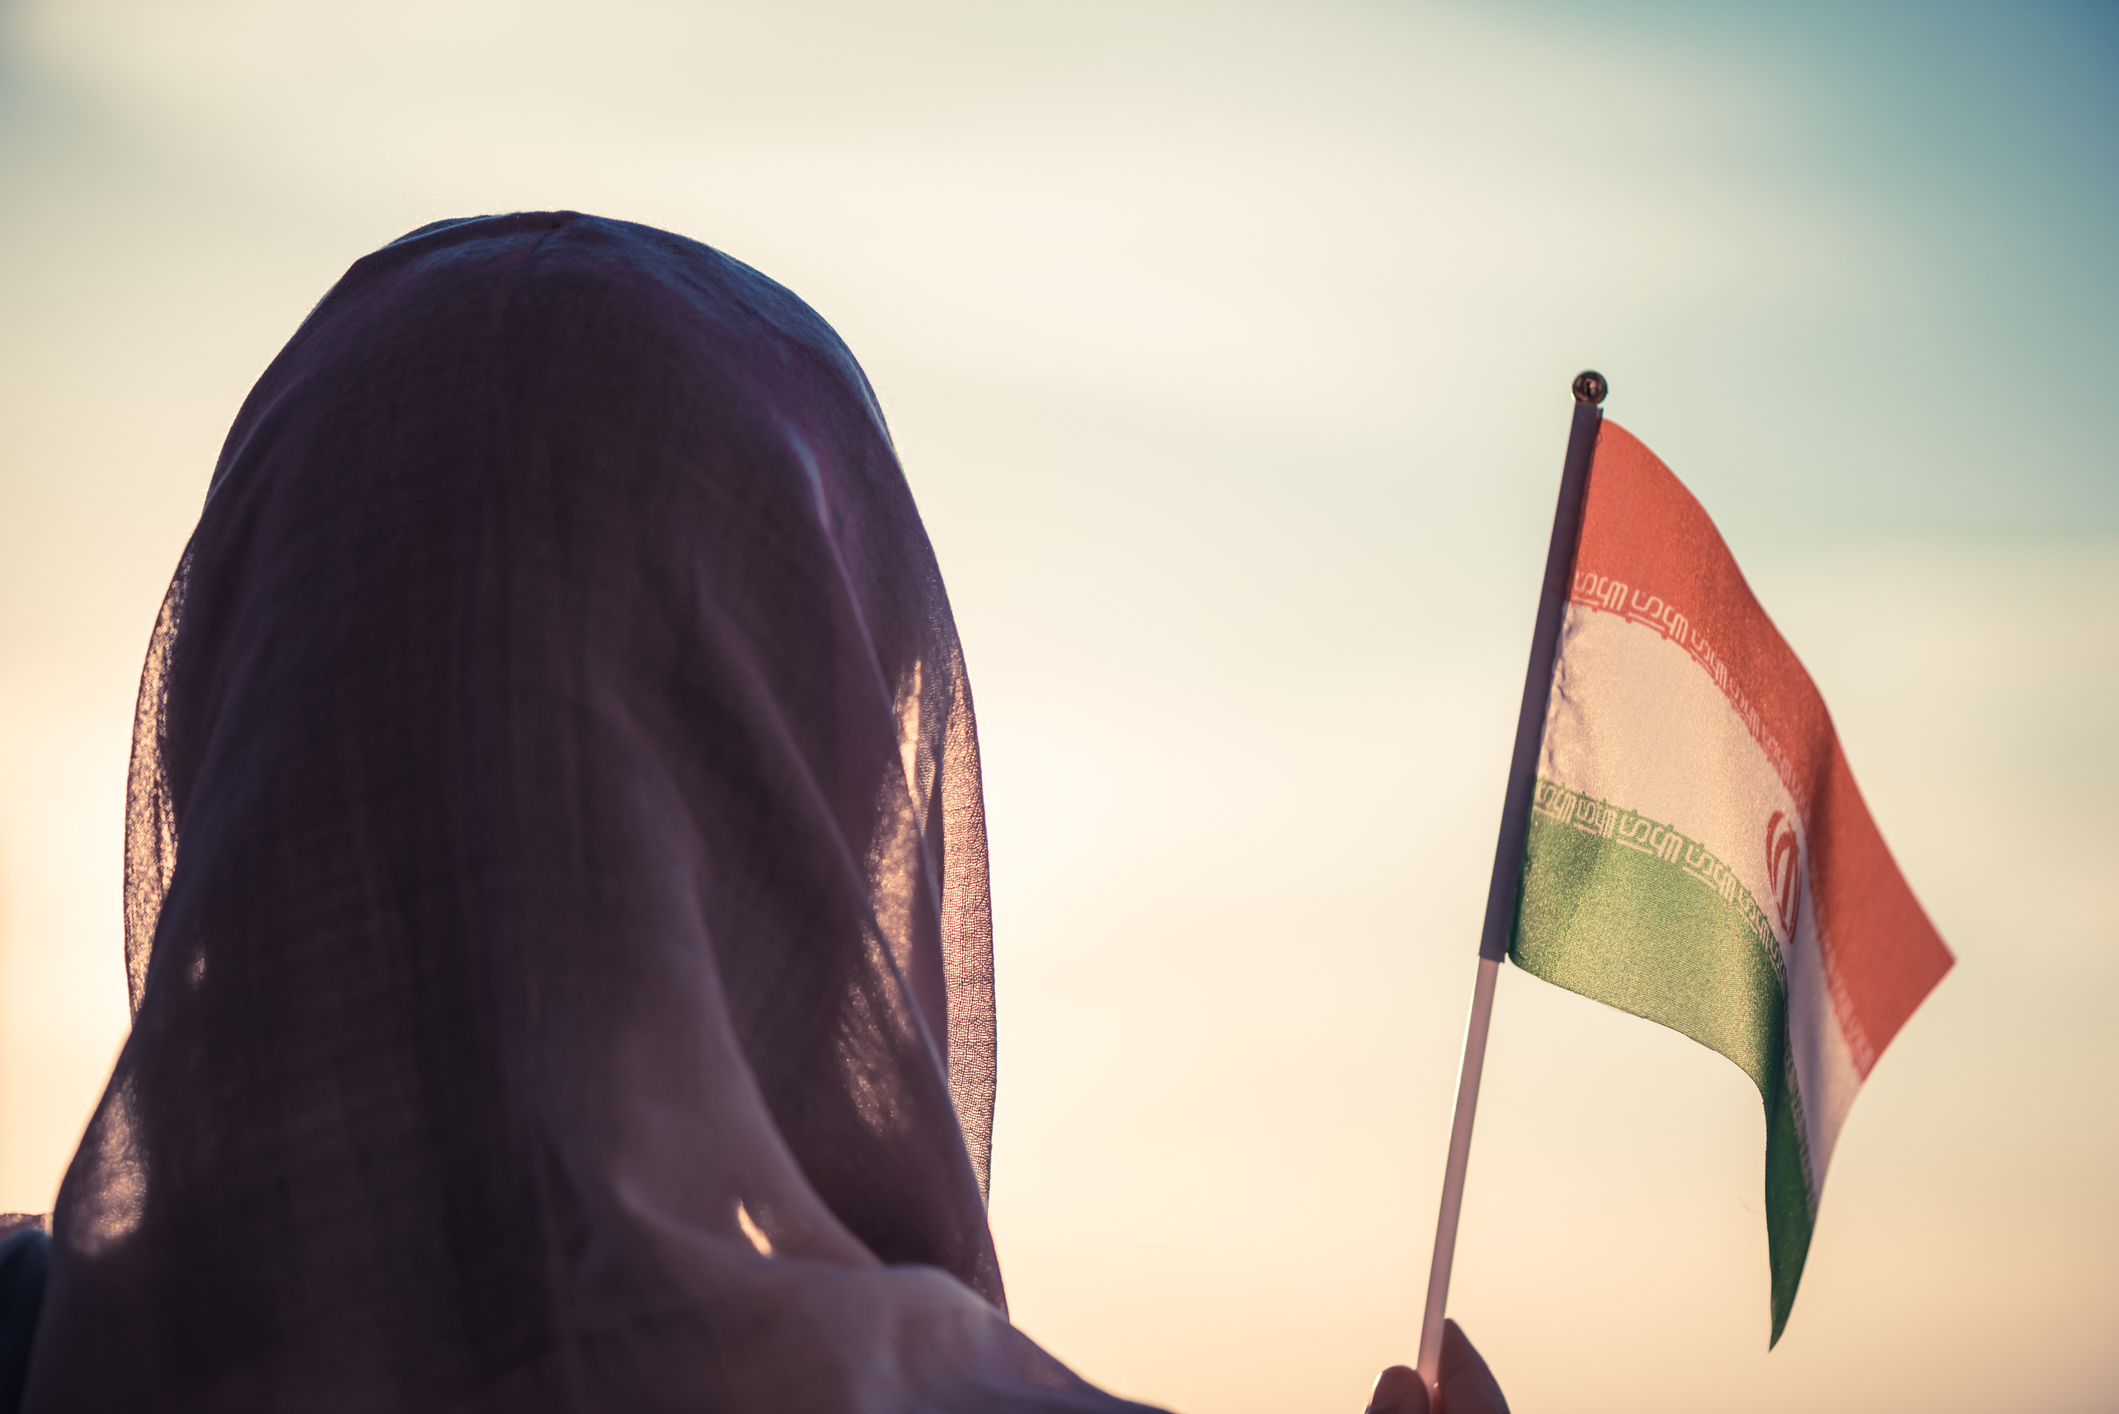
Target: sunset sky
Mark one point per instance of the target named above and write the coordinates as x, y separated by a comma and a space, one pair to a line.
1227, 350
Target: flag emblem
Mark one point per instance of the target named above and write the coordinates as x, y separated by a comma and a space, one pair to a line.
1784, 857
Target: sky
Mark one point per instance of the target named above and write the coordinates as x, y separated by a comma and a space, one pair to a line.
1227, 351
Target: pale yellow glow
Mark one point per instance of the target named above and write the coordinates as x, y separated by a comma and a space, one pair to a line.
751, 1230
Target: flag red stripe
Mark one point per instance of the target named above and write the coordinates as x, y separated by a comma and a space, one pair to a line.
1649, 551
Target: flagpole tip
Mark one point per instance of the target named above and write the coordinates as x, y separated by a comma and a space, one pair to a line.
1590, 387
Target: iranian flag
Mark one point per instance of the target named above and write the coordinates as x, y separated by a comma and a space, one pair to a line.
1697, 852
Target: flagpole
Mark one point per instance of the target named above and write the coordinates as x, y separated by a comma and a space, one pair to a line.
1589, 391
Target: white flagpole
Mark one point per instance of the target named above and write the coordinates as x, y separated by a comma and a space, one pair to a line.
1460, 1152
1589, 390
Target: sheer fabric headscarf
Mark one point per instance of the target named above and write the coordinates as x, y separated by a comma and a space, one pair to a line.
556, 881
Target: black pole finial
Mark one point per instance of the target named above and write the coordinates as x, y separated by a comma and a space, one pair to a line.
1590, 386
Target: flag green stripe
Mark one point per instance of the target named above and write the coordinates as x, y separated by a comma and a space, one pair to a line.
1788, 1211
1638, 932
1637, 929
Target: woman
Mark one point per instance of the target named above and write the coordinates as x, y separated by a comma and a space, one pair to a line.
556, 881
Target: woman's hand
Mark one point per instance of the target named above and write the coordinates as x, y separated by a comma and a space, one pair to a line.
1468, 1387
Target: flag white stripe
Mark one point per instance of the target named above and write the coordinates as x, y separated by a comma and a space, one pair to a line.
1635, 720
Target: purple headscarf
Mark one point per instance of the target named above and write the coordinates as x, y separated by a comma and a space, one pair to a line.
556, 881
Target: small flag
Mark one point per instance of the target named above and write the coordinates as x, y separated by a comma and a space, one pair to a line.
1697, 851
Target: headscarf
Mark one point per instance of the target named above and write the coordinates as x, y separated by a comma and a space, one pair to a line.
555, 881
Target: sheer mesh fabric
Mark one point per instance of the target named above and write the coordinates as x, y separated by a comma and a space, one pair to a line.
556, 903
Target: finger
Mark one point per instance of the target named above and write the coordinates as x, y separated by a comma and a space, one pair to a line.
1468, 1387
1399, 1390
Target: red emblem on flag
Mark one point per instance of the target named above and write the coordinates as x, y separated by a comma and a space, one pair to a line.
1784, 857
